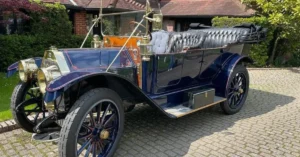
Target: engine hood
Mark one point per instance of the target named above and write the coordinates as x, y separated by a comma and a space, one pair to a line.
95, 59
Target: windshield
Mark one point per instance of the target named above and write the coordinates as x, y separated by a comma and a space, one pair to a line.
123, 24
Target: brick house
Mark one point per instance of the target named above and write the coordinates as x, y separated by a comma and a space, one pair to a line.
178, 14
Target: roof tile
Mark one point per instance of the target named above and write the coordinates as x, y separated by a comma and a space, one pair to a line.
175, 7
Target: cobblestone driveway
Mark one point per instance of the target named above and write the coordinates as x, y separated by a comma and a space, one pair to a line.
268, 125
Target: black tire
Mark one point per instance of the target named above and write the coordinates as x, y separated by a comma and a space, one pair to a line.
18, 96
74, 120
231, 108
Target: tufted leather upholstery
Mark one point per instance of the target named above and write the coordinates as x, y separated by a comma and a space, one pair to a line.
220, 37
159, 42
166, 42
180, 40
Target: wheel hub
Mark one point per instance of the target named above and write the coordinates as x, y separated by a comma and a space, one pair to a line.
104, 134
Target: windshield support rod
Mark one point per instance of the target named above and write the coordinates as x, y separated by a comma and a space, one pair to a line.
89, 32
127, 12
97, 20
126, 42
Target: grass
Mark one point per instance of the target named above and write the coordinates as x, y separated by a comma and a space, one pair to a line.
7, 86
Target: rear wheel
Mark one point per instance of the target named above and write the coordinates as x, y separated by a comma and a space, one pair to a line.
237, 90
27, 105
94, 125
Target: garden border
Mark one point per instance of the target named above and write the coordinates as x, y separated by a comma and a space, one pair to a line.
10, 125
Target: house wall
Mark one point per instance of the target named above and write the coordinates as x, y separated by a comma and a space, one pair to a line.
182, 24
80, 24
83, 21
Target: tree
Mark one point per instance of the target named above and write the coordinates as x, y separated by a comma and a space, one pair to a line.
17, 9
284, 15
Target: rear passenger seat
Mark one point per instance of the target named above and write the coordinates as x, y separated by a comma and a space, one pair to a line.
164, 42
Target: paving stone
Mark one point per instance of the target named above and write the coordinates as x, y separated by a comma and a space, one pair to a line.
4, 127
268, 125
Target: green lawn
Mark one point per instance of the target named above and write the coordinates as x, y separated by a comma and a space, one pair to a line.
6, 88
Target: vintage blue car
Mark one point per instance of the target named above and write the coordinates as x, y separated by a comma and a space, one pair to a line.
79, 96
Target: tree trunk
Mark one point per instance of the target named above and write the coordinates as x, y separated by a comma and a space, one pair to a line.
271, 59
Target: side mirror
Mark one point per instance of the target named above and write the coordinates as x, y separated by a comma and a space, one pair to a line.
157, 22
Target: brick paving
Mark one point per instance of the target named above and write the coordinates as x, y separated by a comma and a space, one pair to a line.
268, 125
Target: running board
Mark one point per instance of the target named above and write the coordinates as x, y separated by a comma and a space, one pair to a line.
46, 137
182, 110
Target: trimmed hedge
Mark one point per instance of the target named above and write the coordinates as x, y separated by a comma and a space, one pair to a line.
16, 47
259, 52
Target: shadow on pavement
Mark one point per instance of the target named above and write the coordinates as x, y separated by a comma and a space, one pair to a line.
294, 70
147, 131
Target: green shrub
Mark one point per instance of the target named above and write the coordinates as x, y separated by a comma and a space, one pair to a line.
16, 47
50, 27
53, 23
259, 52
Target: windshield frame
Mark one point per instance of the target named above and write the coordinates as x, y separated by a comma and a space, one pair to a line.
120, 13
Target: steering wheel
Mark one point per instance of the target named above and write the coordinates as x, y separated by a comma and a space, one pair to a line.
136, 23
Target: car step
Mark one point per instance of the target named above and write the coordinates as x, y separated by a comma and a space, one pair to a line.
46, 137
182, 110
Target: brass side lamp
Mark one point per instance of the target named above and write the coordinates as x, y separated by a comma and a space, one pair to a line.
96, 43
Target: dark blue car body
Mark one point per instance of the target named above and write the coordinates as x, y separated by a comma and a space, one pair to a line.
165, 78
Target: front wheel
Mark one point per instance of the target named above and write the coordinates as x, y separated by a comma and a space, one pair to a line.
237, 90
27, 106
94, 125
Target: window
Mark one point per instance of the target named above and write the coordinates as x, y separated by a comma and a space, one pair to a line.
11, 25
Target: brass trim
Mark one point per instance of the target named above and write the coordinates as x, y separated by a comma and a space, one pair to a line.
27, 68
157, 24
54, 64
104, 134
57, 57
50, 106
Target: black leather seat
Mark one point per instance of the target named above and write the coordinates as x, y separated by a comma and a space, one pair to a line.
180, 40
164, 42
220, 37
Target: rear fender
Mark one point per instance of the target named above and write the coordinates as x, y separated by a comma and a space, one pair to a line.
12, 69
221, 80
119, 84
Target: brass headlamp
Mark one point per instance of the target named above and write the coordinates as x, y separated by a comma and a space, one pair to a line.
45, 75
27, 69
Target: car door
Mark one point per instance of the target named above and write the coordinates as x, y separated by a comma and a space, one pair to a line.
210, 64
169, 69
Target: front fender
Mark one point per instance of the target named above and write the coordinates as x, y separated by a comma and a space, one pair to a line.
58, 86
61, 84
12, 69
221, 80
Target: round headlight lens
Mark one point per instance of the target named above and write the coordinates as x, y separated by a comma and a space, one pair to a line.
45, 75
22, 74
27, 68
42, 80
